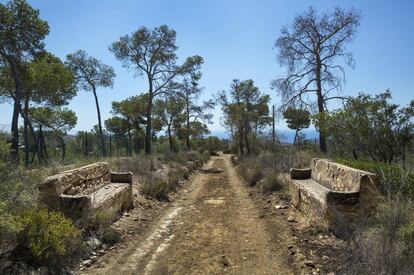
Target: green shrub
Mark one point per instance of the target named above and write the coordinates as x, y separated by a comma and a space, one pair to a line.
100, 221
49, 237
4, 158
393, 178
155, 187
110, 236
100, 224
10, 228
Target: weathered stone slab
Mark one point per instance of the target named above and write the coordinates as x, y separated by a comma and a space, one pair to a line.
82, 177
83, 192
113, 198
339, 177
329, 191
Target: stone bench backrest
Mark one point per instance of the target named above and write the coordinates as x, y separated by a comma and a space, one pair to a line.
77, 180
339, 177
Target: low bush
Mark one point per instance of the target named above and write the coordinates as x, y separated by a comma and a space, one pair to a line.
100, 224
271, 182
196, 156
110, 236
10, 228
159, 186
155, 187
139, 165
251, 173
392, 175
385, 245
49, 238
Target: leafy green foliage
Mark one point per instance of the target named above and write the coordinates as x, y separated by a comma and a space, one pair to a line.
48, 81
90, 73
57, 119
297, 119
50, 238
153, 53
22, 31
391, 175
245, 111
21, 37
371, 127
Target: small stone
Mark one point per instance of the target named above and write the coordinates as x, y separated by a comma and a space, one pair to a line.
280, 206
87, 263
223, 260
291, 219
126, 214
310, 264
94, 243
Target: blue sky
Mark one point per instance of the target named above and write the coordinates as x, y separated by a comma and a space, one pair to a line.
235, 38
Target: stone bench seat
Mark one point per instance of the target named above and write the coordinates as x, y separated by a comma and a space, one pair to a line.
87, 191
112, 197
329, 191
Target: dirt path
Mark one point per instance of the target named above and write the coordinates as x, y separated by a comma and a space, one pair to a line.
215, 228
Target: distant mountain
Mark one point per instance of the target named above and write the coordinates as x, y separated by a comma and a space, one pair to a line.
285, 135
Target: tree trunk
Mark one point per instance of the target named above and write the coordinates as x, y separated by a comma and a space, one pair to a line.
321, 108
26, 132
273, 126
16, 111
246, 141
148, 129
241, 141
187, 138
99, 122
170, 141
296, 136
62, 143
129, 143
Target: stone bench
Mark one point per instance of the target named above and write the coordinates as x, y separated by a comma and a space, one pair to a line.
331, 192
86, 191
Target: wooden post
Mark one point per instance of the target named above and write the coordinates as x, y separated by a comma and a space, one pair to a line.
110, 145
273, 125
86, 143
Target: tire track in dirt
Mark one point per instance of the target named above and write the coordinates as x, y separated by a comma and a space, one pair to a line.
214, 229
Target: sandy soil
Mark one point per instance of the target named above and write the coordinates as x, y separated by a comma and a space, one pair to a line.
215, 225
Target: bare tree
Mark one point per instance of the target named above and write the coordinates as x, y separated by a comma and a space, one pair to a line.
309, 50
